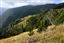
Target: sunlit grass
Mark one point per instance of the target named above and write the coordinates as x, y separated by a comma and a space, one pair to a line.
53, 34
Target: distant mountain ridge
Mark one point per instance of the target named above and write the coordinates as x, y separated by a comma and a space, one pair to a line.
15, 13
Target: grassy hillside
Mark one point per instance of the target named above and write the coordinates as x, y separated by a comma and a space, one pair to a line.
53, 34
38, 21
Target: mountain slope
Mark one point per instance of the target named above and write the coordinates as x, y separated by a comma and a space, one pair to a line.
16, 13
38, 21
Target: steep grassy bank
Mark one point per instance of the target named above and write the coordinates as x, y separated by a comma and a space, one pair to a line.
53, 34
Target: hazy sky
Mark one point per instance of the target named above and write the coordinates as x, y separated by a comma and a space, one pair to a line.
17, 3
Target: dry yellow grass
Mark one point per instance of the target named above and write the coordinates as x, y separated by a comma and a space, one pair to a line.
53, 34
